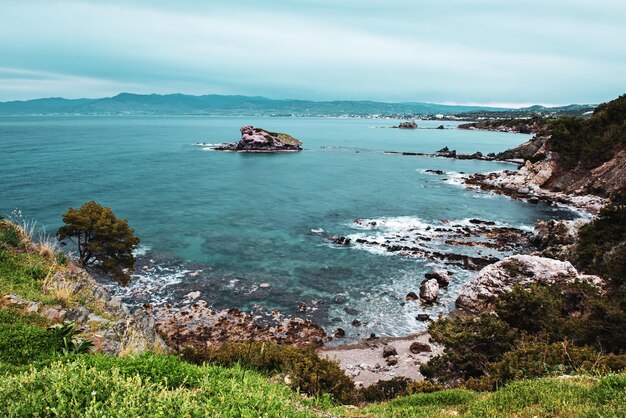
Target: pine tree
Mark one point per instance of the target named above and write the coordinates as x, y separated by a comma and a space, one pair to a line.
101, 239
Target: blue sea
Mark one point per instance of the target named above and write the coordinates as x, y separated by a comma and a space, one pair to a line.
224, 223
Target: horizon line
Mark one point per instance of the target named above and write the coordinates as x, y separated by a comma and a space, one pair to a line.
499, 105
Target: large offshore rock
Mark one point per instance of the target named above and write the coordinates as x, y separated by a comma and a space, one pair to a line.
481, 292
259, 140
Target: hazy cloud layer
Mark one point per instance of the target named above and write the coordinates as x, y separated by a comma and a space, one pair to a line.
454, 51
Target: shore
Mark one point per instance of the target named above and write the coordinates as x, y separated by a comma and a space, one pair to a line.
370, 361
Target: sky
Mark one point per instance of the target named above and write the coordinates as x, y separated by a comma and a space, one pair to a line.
496, 52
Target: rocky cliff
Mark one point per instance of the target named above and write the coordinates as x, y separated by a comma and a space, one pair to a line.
580, 156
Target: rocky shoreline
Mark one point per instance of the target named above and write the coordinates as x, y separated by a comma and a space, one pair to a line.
501, 257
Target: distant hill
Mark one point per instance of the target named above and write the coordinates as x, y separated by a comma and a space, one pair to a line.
212, 104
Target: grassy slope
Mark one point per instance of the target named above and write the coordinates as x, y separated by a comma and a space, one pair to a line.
559, 397
37, 379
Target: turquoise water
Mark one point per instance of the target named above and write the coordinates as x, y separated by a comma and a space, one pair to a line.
223, 223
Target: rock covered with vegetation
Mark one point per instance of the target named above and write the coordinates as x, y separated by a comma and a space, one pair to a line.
481, 292
260, 140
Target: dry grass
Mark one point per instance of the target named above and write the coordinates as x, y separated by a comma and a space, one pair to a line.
62, 290
132, 342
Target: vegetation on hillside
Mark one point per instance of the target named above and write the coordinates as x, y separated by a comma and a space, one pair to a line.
587, 143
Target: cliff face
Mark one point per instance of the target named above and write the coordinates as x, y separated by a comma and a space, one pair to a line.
607, 180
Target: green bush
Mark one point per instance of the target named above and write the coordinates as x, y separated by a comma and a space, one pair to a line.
587, 143
598, 239
534, 310
534, 358
307, 372
25, 339
385, 389
10, 237
471, 343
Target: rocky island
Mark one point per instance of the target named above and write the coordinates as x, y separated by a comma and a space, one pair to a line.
259, 140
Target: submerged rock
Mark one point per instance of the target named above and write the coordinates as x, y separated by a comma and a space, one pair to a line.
481, 292
259, 140
411, 296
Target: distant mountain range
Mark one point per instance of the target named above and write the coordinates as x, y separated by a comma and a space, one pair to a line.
213, 104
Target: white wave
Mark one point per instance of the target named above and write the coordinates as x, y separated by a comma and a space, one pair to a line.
456, 179
141, 250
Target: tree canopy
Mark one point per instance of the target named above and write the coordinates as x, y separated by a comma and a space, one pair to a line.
101, 239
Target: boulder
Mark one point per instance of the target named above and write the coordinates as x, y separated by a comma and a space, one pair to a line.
193, 295
340, 240
442, 277
422, 317
417, 348
429, 290
481, 292
555, 239
411, 296
392, 360
389, 350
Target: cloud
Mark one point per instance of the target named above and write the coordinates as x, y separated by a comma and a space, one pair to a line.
406, 51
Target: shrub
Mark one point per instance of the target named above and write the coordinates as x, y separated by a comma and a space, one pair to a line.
589, 143
424, 386
532, 310
384, 390
533, 358
9, 236
304, 369
471, 343
598, 238
24, 339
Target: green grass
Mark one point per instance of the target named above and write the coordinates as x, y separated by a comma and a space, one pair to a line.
547, 397
22, 274
24, 340
79, 389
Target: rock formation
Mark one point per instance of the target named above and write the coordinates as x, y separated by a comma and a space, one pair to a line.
555, 239
198, 325
259, 140
481, 292
407, 125
429, 290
